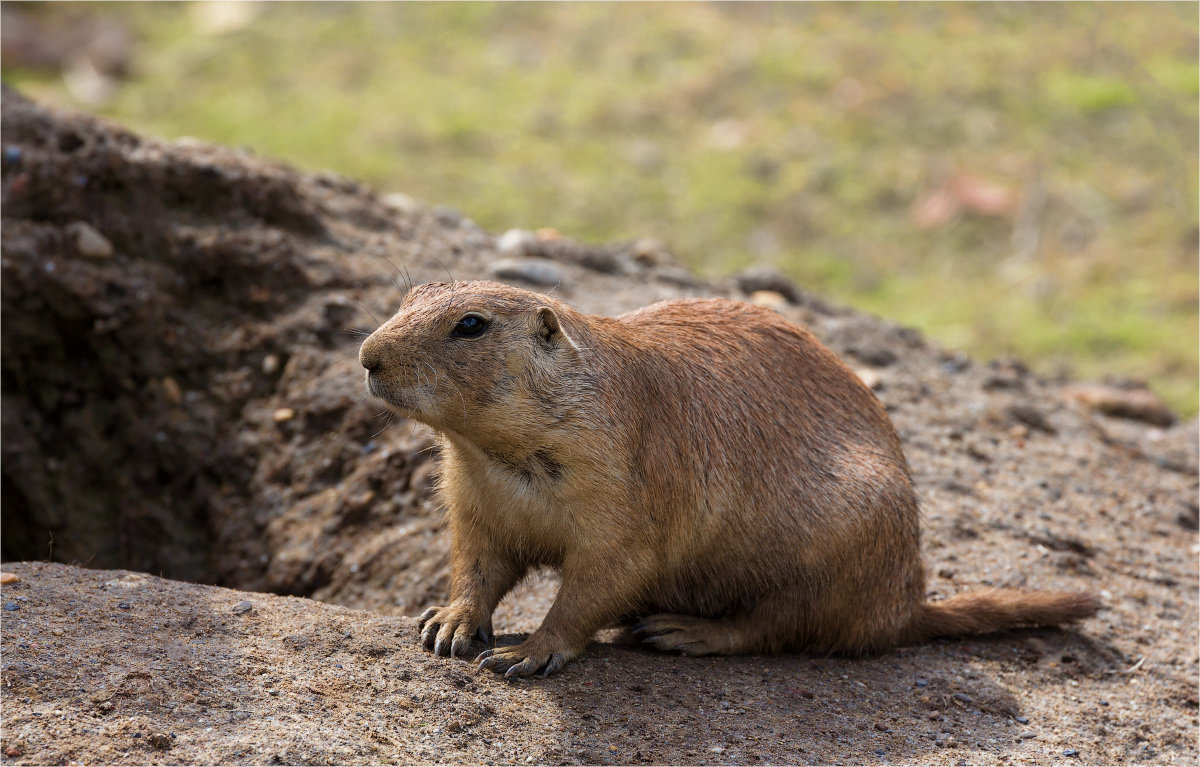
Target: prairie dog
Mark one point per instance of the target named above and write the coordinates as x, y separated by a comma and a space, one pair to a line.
701, 466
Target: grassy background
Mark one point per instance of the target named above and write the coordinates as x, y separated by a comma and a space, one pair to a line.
1012, 179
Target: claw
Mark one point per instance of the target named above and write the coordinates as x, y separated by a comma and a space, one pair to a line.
427, 636
437, 647
512, 671
484, 635
425, 616
553, 666
486, 663
459, 644
486, 653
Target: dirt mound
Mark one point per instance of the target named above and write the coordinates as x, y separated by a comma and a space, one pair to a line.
181, 395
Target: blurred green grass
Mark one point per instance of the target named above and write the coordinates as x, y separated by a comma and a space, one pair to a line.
842, 143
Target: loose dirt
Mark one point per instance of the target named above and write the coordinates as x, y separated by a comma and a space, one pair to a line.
187, 402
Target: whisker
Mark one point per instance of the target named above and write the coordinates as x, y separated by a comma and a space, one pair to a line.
385, 258
368, 311
390, 421
453, 281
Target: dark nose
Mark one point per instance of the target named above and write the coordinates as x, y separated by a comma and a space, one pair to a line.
369, 354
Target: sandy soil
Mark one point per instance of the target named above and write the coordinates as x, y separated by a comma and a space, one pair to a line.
188, 403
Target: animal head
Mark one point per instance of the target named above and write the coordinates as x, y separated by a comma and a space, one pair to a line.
483, 360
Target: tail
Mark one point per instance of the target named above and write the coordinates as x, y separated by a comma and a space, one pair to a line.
981, 612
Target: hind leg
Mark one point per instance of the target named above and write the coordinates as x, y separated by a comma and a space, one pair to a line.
846, 623
695, 636
771, 625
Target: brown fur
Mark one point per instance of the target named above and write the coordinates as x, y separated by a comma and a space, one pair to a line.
702, 465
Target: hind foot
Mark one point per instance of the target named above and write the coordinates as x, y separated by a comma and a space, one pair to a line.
690, 635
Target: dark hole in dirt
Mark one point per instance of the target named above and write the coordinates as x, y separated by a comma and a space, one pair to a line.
190, 403
69, 141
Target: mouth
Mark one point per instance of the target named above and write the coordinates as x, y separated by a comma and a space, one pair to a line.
392, 395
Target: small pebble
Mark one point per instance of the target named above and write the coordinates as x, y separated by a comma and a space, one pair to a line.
880, 752
1070, 752
12, 752
1023, 719
12, 156
962, 697
123, 605
284, 414
11, 607
270, 364
717, 750
922, 682
172, 391
7, 578
88, 241
1027, 735
160, 740
243, 607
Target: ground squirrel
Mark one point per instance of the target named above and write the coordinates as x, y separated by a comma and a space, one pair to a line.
701, 466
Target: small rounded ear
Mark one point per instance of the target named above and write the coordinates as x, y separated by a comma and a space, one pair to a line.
549, 329
547, 324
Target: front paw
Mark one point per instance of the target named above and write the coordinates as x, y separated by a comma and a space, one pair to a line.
529, 657
449, 630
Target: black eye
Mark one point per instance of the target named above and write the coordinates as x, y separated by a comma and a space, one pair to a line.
470, 326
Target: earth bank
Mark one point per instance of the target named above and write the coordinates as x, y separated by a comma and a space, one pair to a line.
181, 396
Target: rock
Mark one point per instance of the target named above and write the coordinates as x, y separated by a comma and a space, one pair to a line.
7, 578
448, 216
677, 275
769, 299
534, 271
160, 740
1070, 752
516, 243
872, 378
88, 241
1032, 417
1027, 735
401, 202
757, 278
270, 364
283, 415
1137, 403
649, 252
11, 607
874, 354
243, 607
